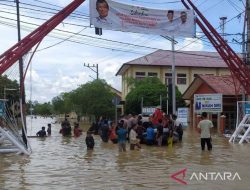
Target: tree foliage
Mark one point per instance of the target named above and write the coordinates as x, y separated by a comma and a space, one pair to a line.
150, 89
43, 109
10, 88
93, 98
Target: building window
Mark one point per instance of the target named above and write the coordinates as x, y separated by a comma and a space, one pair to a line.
139, 75
168, 78
150, 74
195, 75
181, 78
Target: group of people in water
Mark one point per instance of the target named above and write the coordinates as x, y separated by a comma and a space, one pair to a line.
66, 132
159, 129
42, 132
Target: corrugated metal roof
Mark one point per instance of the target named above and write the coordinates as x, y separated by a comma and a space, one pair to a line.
220, 84
182, 59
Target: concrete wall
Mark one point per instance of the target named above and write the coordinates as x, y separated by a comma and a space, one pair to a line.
161, 70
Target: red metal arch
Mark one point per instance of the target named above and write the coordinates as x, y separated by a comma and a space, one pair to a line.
12, 55
238, 68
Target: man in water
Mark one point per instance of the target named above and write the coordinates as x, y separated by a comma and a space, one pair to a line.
89, 140
122, 137
66, 128
41, 133
203, 128
49, 129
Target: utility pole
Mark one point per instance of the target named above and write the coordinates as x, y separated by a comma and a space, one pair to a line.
22, 91
94, 70
248, 31
222, 26
22, 87
173, 77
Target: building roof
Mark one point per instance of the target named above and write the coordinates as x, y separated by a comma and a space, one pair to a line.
219, 84
117, 92
182, 59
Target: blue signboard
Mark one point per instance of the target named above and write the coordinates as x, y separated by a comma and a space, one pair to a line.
247, 108
1, 108
182, 114
208, 103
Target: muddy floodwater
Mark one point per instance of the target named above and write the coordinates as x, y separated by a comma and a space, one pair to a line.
64, 163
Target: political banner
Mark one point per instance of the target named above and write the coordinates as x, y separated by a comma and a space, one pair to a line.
211, 103
111, 15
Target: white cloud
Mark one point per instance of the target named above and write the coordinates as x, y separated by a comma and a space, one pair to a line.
190, 44
60, 68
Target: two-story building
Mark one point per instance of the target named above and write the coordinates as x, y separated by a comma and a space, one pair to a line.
159, 64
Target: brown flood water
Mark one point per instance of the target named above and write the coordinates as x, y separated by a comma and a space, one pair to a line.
64, 163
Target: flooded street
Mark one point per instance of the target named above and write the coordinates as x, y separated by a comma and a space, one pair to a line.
64, 163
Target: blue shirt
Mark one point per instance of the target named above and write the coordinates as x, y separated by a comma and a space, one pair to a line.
121, 135
150, 133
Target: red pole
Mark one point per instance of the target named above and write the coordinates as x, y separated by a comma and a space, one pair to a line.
9, 57
235, 64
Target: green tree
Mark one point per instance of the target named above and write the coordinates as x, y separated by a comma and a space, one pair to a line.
93, 98
150, 89
6, 83
43, 109
58, 104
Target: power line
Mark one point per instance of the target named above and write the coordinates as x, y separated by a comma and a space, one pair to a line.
29, 4
86, 35
44, 19
161, 3
116, 49
76, 24
128, 44
215, 28
39, 10
235, 6
54, 5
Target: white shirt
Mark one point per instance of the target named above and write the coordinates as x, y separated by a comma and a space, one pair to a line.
205, 126
103, 21
132, 136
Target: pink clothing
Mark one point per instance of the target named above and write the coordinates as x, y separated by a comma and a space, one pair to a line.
77, 132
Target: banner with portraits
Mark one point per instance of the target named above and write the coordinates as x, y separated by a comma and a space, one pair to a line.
111, 15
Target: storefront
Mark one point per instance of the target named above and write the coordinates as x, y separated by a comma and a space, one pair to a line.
215, 95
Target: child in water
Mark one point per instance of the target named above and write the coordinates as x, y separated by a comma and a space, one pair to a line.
49, 129
77, 130
90, 142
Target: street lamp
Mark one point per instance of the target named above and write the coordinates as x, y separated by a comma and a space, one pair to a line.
7, 89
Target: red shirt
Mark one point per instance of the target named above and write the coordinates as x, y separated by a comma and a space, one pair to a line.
156, 116
77, 132
113, 134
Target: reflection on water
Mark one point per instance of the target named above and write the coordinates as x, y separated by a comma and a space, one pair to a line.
65, 163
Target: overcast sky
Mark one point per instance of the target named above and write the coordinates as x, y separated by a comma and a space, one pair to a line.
57, 66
